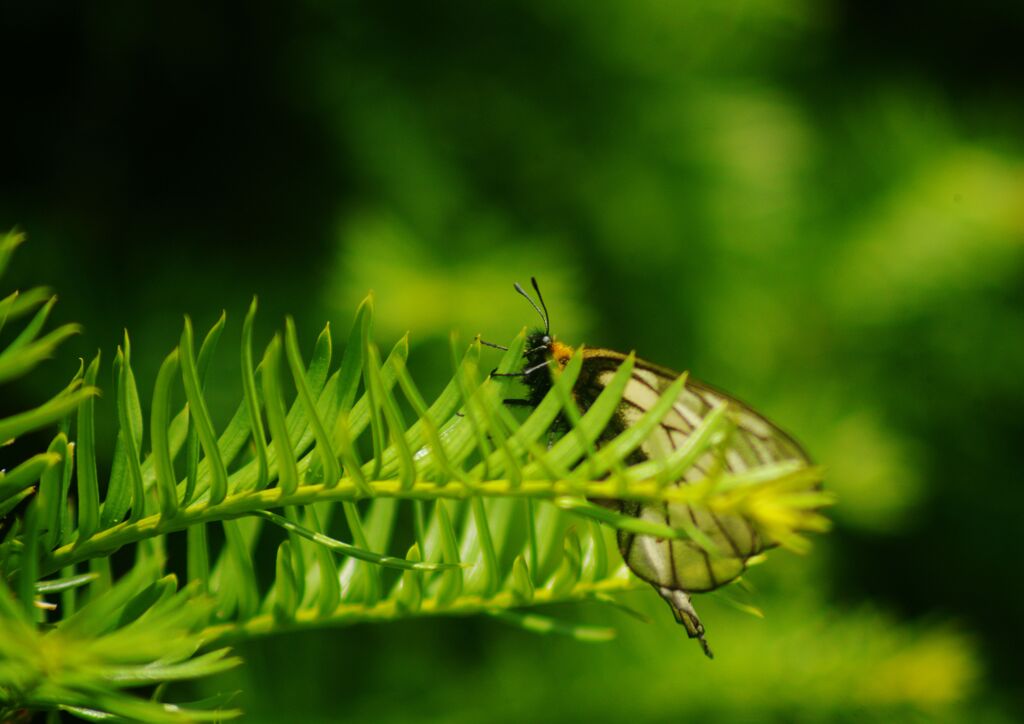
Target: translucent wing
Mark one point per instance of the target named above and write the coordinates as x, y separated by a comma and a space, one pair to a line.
681, 566
757, 440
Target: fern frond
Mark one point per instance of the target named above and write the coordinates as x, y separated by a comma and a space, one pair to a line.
133, 633
498, 511
140, 632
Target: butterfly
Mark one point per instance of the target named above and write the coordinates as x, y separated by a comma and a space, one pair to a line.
674, 567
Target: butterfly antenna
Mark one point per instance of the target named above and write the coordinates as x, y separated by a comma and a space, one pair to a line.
533, 304
547, 319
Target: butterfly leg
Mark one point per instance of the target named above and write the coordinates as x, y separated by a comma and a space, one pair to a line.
685, 614
503, 348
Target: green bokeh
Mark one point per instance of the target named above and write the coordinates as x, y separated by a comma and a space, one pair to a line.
824, 221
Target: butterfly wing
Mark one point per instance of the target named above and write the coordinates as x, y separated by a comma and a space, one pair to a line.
677, 567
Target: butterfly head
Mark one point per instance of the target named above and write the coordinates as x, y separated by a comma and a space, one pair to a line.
542, 348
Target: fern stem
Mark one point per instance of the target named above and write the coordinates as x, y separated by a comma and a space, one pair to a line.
385, 610
245, 503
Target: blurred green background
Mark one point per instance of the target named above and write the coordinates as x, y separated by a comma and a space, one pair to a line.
818, 206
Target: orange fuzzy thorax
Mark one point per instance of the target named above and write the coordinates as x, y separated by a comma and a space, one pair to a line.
561, 353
